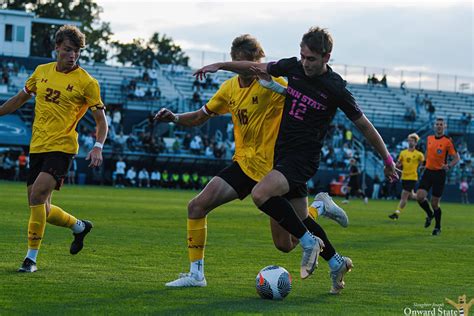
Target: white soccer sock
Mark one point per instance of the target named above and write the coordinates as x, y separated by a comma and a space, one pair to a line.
32, 254
78, 227
319, 206
335, 262
197, 269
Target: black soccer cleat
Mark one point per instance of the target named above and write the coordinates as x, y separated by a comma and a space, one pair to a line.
436, 232
394, 216
28, 265
78, 241
428, 221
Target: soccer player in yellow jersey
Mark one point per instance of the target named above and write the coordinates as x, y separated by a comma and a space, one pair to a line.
256, 113
64, 92
409, 160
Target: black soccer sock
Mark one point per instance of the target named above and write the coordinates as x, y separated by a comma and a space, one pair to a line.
426, 206
328, 250
437, 216
281, 210
347, 195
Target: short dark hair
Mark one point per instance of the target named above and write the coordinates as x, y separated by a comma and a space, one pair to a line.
247, 47
439, 118
318, 40
71, 33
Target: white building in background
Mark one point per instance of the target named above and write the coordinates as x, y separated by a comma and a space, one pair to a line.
15, 31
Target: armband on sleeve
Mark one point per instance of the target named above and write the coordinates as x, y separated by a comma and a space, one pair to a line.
272, 85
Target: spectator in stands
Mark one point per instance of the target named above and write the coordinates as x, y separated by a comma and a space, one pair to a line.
117, 120
157, 93
131, 177
120, 173
119, 144
209, 151
348, 136
187, 141
153, 76
5, 77
219, 150
143, 178
196, 145
165, 179
196, 85
410, 114
175, 180
207, 82
2, 170
195, 181
431, 111
373, 80
155, 178
132, 141
465, 120
22, 166
383, 81
8, 166
71, 176
176, 146
196, 101
376, 188
402, 86
464, 188
186, 181
418, 103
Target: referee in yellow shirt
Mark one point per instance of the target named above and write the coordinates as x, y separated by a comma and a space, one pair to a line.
409, 160
64, 92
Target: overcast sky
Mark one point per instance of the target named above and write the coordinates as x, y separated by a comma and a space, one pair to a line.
433, 36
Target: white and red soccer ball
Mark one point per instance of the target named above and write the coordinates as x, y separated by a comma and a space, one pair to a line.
273, 282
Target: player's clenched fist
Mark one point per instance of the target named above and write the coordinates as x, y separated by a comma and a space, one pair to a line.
165, 115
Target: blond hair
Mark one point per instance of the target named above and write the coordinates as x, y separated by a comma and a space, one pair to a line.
414, 136
246, 47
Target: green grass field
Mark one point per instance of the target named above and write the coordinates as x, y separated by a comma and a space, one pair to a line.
139, 243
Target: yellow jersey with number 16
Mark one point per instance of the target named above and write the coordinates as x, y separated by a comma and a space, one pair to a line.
256, 115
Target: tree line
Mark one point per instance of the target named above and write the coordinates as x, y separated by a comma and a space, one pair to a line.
139, 52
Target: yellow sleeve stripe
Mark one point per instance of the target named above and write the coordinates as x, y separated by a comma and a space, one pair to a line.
97, 107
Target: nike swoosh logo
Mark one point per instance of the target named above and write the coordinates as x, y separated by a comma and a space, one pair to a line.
295, 78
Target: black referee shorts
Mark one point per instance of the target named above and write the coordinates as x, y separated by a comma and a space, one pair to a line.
433, 179
55, 163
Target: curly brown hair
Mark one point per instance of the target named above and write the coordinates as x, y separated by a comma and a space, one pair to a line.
246, 47
71, 33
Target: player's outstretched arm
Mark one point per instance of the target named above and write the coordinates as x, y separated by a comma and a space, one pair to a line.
95, 155
189, 119
14, 103
239, 67
374, 138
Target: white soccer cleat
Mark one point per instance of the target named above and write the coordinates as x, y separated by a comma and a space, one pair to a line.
332, 210
345, 202
187, 280
309, 262
337, 276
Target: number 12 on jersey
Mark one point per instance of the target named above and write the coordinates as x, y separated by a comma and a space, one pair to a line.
297, 110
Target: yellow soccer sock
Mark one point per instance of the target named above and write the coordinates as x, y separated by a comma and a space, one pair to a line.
36, 225
313, 212
57, 216
197, 233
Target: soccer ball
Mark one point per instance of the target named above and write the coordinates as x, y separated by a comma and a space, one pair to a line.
273, 282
